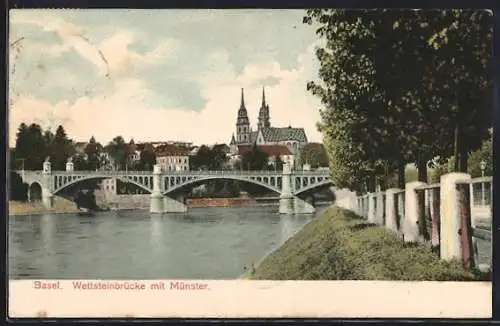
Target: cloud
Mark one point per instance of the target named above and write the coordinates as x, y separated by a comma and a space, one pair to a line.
166, 82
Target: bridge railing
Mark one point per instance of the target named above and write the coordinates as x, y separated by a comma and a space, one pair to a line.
470, 209
191, 172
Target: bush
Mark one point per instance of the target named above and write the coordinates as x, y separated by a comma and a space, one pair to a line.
18, 189
340, 245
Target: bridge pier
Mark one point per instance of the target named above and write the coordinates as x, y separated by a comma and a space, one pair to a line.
175, 205
287, 205
156, 206
47, 196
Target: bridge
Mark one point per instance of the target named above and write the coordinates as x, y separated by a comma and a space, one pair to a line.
168, 189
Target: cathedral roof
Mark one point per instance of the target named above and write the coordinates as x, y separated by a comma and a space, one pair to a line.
273, 134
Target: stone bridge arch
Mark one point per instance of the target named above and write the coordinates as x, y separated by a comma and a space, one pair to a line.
35, 191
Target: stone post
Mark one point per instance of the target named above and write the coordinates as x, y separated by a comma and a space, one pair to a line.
434, 196
450, 246
47, 196
391, 209
380, 208
156, 205
286, 196
371, 207
410, 223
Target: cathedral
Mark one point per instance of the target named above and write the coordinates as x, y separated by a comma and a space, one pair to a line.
293, 139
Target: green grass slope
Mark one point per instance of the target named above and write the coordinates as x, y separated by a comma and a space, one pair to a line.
339, 245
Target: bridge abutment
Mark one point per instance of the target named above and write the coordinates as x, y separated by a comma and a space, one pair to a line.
303, 206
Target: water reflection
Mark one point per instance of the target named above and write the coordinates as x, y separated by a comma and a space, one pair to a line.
202, 243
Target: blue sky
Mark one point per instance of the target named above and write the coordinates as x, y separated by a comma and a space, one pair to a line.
160, 74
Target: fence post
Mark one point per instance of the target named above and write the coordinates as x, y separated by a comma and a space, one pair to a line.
371, 207
451, 211
465, 231
435, 216
380, 208
412, 212
391, 209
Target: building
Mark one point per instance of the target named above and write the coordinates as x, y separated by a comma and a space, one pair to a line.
293, 138
172, 158
272, 151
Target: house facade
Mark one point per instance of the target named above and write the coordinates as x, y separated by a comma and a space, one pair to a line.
172, 158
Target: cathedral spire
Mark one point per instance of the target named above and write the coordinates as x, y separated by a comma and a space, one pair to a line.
242, 105
263, 121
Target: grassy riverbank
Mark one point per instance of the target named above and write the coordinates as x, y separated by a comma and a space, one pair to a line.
61, 205
339, 245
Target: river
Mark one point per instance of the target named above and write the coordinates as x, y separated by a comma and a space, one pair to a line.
204, 243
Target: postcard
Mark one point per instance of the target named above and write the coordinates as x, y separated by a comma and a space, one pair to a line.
250, 163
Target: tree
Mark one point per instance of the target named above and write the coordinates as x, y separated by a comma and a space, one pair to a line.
147, 159
386, 90
79, 163
485, 153
314, 154
117, 149
255, 159
208, 158
278, 163
61, 149
18, 189
93, 151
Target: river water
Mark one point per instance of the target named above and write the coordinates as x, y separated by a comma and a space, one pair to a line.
204, 243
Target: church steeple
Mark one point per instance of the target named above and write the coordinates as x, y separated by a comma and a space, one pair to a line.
242, 105
242, 123
264, 113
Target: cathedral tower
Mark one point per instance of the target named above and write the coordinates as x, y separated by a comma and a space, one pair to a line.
264, 113
242, 123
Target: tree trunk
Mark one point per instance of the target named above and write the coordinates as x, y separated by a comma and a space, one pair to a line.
401, 176
456, 152
422, 171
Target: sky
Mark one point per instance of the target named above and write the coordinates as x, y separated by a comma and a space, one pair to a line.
158, 75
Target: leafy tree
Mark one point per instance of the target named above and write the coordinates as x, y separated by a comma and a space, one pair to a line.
18, 189
93, 151
278, 163
255, 159
485, 153
147, 160
79, 163
314, 154
61, 149
208, 158
117, 149
387, 94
